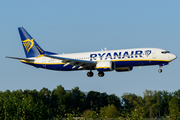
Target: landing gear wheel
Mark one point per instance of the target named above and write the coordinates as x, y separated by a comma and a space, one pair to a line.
160, 70
101, 74
90, 74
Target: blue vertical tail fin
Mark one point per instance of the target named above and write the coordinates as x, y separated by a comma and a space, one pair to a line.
31, 48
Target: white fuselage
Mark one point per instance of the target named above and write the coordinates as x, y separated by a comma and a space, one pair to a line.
113, 55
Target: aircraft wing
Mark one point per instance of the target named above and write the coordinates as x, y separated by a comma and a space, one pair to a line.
74, 62
26, 59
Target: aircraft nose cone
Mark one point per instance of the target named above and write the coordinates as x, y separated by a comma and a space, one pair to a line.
173, 57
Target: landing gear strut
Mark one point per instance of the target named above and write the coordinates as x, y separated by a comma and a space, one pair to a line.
101, 74
160, 70
90, 74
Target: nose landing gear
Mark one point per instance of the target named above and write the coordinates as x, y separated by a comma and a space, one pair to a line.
160, 70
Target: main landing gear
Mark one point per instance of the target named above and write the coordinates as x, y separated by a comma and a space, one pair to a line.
101, 74
90, 74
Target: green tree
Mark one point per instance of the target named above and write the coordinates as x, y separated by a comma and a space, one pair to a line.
68, 102
128, 101
176, 94
7, 105
1, 106
114, 100
109, 111
164, 98
58, 102
16, 102
35, 102
137, 114
104, 99
92, 114
96, 100
78, 101
152, 104
93, 101
149, 104
174, 108
45, 96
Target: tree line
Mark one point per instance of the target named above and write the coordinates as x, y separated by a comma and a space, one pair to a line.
59, 103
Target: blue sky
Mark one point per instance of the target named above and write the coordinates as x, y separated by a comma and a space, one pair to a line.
82, 26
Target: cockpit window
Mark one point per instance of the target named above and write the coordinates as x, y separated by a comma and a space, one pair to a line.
164, 52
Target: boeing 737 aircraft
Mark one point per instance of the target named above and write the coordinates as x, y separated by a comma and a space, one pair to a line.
102, 61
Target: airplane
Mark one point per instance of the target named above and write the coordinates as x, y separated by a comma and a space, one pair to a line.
103, 61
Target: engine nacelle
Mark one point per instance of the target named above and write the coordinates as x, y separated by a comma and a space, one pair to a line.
123, 69
105, 66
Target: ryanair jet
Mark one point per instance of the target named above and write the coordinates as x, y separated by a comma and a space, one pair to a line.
102, 61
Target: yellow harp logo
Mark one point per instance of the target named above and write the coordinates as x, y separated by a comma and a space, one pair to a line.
28, 44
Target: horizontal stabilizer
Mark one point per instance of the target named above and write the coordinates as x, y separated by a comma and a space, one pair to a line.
26, 59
